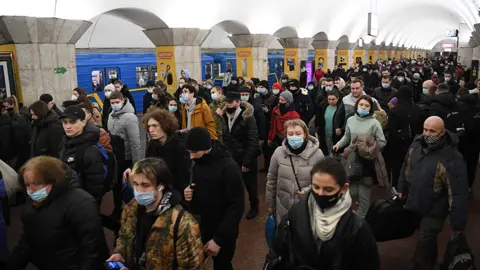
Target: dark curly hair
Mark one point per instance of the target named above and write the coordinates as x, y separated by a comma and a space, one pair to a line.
167, 120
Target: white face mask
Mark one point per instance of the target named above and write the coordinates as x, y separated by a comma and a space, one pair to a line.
245, 98
275, 91
150, 91
74, 97
107, 94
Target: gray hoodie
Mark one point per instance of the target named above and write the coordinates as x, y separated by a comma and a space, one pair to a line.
124, 123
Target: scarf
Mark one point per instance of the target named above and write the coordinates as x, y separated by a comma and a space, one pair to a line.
233, 118
325, 224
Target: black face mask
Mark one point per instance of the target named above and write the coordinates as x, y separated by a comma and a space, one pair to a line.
283, 108
10, 110
205, 159
231, 110
327, 201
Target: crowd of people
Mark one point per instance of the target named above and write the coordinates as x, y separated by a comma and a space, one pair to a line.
410, 124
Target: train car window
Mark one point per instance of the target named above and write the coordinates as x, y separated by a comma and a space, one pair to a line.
97, 80
113, 74
142, 76
208, 70
229, 65
153, 75
217, 69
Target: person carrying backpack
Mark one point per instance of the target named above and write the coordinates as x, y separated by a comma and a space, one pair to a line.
82, 153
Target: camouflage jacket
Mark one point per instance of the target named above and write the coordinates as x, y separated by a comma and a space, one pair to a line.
159, 246
218, 104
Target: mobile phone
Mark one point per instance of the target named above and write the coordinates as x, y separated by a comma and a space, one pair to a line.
115, 265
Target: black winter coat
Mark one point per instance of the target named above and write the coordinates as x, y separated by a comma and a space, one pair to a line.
242, 139
91, 172
270, 101
442, 105
469, 107
63, 233
417, 88
176, 156
126, 94
434, 180
106, 110
303, 105
147, 101
453, 86
404, 117
47, 136
17, 118
384, 96
6, 138
259, 118
352, 247
371, 81
218, 198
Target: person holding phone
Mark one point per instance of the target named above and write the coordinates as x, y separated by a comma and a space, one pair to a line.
288, 178
154, 223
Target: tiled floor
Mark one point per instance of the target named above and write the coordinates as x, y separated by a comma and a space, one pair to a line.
251, 246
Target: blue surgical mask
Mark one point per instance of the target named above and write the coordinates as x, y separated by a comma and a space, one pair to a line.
244, 98
153, 96
362, 112
385, 85
208, 86
214, 96
38, 195
144, 198
310, 87
261, 90
295, 141
425, 91
275, 91
172, 108
180, 85
184, 96
116, 107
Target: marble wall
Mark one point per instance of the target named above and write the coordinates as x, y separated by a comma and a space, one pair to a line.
260, 66
36, 65
188, 57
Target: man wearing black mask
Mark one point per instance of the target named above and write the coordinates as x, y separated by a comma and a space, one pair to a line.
302, 101
216, 196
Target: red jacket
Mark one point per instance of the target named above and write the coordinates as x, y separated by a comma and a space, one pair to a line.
319, 74
278, 122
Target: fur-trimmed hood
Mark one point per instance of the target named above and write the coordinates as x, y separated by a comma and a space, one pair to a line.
248, 109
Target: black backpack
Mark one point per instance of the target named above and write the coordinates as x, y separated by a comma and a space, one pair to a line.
405, 131
455, 123
109, 162
19, 140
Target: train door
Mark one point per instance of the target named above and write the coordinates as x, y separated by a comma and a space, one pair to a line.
7, 80
209, 71
101, 77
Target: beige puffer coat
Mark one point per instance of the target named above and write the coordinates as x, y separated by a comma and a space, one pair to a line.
281, 185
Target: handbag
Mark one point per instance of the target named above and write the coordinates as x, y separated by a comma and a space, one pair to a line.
270, 229
354, 166
458, 255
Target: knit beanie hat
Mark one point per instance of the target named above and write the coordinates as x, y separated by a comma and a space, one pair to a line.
263, 83
198, 139
287, 95
294, 82
277, 86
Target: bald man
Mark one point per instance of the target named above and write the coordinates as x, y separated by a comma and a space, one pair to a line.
434, 182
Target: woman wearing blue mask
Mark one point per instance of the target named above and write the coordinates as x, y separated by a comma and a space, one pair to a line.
154, 223
288, 178
363, 122
61, 221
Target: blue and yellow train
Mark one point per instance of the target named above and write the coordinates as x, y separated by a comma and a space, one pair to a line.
96, 70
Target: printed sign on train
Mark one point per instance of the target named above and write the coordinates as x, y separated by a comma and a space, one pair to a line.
321, 59
291, 62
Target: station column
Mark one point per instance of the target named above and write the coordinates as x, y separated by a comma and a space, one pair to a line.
177, 49
325, 54
42, 55
295, 51
252, 55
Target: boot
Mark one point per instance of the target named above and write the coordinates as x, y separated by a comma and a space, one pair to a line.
253, 213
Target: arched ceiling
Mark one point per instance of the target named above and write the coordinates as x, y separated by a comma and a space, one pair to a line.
419, 23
